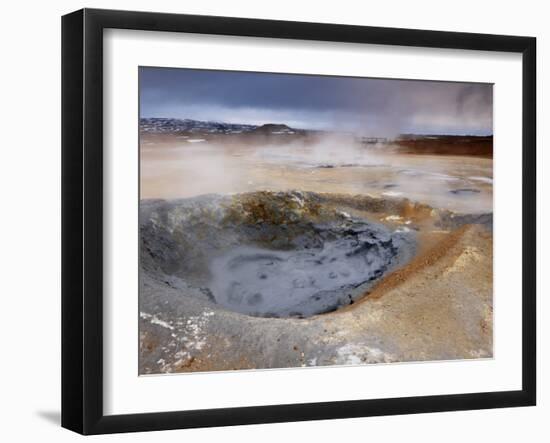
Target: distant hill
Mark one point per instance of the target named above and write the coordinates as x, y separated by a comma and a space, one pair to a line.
159, 129
177, 126
272, 128
174, 125
165, 129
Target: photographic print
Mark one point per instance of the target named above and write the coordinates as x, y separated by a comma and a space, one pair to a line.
291, 220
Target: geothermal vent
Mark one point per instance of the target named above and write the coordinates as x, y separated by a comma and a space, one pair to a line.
267, 254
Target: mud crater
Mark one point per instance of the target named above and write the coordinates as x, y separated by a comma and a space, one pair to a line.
267, 254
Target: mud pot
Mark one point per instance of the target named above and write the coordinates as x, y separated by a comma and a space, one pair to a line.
284, 279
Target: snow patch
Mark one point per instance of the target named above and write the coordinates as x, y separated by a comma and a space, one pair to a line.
356, 354
155, 320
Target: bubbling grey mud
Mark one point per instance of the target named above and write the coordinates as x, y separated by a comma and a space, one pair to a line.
308, 280
284, 254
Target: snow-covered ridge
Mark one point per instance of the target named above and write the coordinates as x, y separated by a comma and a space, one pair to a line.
174, 125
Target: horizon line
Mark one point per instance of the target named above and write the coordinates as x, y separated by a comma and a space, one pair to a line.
465, 134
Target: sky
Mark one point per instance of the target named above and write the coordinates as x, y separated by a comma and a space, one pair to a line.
366, 106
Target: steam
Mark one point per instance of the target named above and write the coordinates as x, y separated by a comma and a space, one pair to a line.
334, 164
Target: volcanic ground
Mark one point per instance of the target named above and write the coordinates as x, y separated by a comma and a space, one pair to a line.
270, 279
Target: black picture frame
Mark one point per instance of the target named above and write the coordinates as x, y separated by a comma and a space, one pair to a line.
82, 219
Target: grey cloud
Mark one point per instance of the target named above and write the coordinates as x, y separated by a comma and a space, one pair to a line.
374, 106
